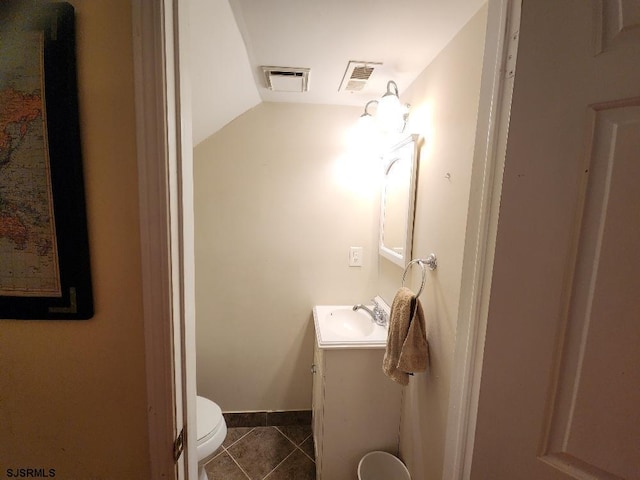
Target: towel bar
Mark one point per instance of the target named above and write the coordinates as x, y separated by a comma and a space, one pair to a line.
431, 262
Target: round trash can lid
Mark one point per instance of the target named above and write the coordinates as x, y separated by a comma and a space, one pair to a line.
380, 465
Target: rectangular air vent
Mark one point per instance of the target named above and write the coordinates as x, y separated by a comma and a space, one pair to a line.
356, 75
286, 79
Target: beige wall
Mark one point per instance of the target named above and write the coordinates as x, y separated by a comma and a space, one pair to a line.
72, 394
444, 101
278, 203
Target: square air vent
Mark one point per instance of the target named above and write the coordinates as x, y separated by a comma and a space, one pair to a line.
356, 75
286, 79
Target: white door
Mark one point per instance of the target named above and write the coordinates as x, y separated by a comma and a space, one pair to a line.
560, 390
166, 226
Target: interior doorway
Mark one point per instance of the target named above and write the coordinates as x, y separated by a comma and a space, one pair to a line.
165, 158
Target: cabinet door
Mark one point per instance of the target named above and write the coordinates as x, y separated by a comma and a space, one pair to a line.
361, 410
318, 405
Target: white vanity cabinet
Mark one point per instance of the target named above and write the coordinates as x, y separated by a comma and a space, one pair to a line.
356, 409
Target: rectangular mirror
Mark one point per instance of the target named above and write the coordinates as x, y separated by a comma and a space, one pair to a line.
398, 201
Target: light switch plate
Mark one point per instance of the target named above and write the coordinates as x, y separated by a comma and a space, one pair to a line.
355, 256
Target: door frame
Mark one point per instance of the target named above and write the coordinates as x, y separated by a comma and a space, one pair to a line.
165, 184
165, 162
498, 74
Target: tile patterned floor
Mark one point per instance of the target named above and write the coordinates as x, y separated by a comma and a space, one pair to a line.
265, 453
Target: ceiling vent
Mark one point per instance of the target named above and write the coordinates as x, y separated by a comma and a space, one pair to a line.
356, 75
286, 79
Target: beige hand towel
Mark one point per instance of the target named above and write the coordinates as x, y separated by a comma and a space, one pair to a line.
407, 348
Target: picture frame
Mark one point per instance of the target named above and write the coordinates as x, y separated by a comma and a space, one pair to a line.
45, 269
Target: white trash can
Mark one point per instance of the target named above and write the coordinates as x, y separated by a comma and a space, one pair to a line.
382, 466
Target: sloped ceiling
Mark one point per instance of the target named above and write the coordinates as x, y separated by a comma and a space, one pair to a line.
232, 39
222, 84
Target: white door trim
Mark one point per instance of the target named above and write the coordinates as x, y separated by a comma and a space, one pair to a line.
484, 201
152, 150
164, 167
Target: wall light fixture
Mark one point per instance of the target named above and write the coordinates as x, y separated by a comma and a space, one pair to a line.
390, 115
366, 120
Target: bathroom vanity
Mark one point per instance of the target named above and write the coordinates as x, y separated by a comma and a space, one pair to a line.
356, 408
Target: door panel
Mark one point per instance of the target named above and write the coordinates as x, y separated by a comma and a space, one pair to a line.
560, 377
594, 426
617, 23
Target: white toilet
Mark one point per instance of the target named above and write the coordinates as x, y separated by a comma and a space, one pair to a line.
211, 432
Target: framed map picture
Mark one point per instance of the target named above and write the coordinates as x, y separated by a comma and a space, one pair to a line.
44, 248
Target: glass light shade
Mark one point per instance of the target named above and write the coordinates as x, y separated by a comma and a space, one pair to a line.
365, 131
366, 123
390, 113
364, 137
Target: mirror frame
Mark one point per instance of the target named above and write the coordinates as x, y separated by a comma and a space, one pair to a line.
388, 160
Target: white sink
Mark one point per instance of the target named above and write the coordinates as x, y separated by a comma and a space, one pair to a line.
349, 323
340, 326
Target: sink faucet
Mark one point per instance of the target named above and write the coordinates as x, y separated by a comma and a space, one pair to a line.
378, 314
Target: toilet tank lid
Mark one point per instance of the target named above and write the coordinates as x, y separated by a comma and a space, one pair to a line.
208, 416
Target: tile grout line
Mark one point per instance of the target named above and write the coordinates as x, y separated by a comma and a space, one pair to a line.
286, 436
239, 466
291, 439
252, 429
306, 455
299, 447
295, 445
276, 467
224, 449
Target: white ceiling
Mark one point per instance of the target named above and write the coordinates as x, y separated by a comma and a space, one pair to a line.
232, 39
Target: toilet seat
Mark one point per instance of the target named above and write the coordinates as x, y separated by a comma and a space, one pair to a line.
209, 419
211, 430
